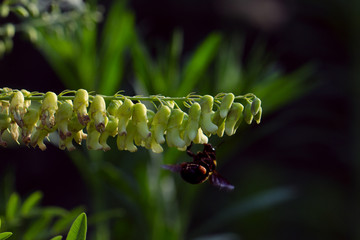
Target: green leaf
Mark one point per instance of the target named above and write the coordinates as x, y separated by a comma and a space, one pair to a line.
30, 203
78, 228
12, 207
37, 228
57, 238
198, 64
144, 67
53, 211
118, 31
64, 223
228, 67
5, 235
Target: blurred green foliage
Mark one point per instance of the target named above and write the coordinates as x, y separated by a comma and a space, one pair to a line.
28, 220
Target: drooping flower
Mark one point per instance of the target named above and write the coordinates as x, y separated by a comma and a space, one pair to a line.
48, 109
173, 138
31, 118
206, 124
81, 102
159, 123
233, 117
17, 108
124, 114
193, 122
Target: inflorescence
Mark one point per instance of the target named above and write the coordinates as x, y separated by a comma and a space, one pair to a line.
30, 117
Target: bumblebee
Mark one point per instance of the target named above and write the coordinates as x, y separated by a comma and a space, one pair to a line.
201, 168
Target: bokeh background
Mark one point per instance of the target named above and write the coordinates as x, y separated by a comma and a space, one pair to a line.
296, 174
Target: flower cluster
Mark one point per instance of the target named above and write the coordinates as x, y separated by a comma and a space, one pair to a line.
30, 117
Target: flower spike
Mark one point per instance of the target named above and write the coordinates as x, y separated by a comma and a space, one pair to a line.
34, 115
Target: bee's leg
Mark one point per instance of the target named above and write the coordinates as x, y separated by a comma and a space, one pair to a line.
189, 152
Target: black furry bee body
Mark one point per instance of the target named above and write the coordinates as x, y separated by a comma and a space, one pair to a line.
201, 168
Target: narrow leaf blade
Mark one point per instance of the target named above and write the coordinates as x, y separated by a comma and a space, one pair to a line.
5, 235
117, 35
78, 228
31, 202
56, 238
198, 64
12, 206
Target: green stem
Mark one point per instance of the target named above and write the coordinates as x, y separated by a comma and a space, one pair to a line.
133, 98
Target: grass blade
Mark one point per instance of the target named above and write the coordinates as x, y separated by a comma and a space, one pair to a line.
118, 32
78, 228
12, 207
5, 235
30, 203
56, 238
199, 63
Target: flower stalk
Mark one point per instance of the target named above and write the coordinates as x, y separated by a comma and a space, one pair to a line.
34, 115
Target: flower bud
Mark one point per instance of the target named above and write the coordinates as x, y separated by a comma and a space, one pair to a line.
4, 125
17, 108
233, 117
110, 130
182, 132
33, 9
81, 102
97, 112
63, 116
226, 103
173, 129
220, 122
66, 144
48, 110
4, 10
150, 143
20, 11
160, 122
200, 138
129, 141
9, 30
153, 145
26, 93
150, 117
30, 119
93, 136
193, 122
206, 114
113, 107
4, 107
15, 132
140, 120
248, 117
79, 136
120, 142
123, 114
31, 34
74, 125
37, 138
255, 106
257, 117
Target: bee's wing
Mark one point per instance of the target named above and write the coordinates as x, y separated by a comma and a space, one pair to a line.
218, 181
173, 168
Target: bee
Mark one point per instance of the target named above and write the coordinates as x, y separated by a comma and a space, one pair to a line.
201, 168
